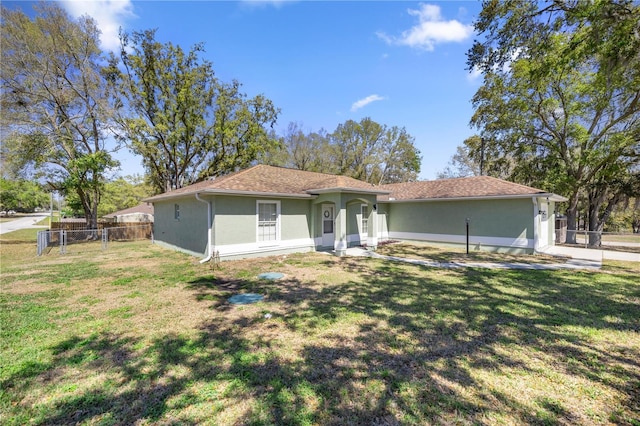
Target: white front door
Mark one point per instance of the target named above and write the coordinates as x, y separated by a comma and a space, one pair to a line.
328, 224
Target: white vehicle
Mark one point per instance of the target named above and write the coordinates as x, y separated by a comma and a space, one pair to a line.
3, 213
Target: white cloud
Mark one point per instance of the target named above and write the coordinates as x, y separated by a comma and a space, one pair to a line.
430, 30
366, 101
474, 74
110, 15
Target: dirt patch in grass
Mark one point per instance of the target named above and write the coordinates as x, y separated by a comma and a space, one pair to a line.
143, 335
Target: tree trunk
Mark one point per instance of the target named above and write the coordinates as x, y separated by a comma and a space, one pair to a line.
595, 225
572, 215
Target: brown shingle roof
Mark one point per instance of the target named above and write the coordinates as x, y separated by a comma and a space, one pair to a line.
275, 180
478, 186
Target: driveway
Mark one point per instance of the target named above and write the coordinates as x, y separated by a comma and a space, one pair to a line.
25, 222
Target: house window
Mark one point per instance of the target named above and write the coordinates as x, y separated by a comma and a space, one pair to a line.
365, 219
268, 220
176, 211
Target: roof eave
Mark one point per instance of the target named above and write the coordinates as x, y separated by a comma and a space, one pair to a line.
210, 191
549, 195
348, 190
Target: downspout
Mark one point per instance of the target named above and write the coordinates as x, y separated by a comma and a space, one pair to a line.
536, 226
209, 225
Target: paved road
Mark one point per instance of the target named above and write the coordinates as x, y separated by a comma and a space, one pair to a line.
24, 222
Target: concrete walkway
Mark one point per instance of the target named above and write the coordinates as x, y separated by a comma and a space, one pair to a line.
574, 264
590, 254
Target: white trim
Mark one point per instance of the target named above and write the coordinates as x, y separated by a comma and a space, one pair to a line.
536, 225
354, 238
462, 239
268, 243
363, 235
253, 248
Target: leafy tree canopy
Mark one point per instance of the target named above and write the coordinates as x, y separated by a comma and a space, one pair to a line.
185, 123
55, 102
22, 195
364, 150
561, 95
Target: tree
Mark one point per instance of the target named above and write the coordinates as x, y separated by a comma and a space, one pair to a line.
374, 153
477, 157
559, 97
124, 192
56, 112
310, 152
186, 124
464, 162
363, 150
22, 195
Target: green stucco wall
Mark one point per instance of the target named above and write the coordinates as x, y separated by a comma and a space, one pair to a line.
236, 221
296, 219
188, 233
383, 219
491, 218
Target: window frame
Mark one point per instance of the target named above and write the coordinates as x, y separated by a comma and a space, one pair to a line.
277, 239
364, 219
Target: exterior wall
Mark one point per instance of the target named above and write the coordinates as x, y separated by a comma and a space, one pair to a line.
500, 225
235, 227
188, 233
383, 221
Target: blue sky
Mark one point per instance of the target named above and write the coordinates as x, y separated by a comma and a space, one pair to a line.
325, 62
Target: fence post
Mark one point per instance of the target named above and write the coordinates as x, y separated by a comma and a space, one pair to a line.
586, 239
40, 242
61, 241
105, 238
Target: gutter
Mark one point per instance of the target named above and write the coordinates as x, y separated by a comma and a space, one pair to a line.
171, 195
549, 195
209, 226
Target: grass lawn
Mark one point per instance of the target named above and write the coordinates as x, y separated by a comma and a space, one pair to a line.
141, 335
30, 235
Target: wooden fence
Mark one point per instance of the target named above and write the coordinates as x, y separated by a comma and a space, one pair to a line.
133, 230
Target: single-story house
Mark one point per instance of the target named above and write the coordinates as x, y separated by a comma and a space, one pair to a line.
142, 213
267, 210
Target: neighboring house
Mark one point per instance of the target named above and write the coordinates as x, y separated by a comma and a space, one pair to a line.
268, 210
141, 213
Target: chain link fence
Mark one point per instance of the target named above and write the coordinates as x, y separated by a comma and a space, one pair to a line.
90, 239
600, 240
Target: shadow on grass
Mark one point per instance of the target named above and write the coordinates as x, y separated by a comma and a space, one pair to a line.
421, 339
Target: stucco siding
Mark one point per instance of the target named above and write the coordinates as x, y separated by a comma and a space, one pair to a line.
491, 218
295, 219
189, 232
383, 221
235, 220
